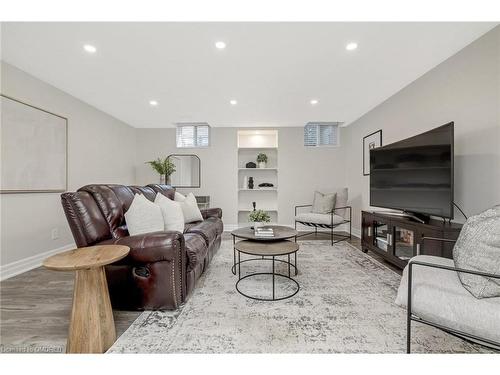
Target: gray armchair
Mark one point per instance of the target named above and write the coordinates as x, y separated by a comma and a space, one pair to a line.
433, 294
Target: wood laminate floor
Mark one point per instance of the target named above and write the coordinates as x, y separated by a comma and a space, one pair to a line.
35, 308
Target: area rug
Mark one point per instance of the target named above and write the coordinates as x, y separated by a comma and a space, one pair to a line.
345, 305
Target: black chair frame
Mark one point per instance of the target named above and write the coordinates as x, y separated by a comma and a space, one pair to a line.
330, 226
410, 316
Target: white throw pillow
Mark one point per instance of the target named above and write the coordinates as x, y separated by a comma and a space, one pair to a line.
143, 216
172, 213
323, 203
178, 197
189, 207
478, 249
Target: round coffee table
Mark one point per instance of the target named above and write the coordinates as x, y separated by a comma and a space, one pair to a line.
92, 328
266, 249
280, 233
270, 250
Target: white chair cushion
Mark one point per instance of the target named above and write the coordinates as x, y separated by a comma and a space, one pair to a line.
143, 216
439, 297
173, 216
189, 207
311, 217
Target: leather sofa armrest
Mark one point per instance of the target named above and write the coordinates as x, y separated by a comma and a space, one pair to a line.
211, 212
151, 247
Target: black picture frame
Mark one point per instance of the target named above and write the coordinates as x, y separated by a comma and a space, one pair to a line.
370, 141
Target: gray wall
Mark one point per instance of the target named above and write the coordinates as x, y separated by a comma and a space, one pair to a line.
101, 150
464, 89
301, 170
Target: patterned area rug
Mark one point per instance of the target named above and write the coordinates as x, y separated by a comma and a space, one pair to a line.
345, 305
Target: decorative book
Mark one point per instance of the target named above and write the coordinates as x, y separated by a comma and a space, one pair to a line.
264, 232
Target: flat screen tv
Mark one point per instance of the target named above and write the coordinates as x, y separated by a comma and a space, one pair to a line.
415, 175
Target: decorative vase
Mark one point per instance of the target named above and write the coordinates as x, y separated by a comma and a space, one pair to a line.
162, 179
262, 164
250, 182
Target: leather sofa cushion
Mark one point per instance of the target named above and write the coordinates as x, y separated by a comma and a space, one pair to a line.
85, 219
147, 191
217, 223
196, 250
190, 225
166, 190
209, 229
110, 205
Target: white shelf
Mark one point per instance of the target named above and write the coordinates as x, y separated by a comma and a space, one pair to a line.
257, 169
251, 142
257, 148
263, 209
258, 189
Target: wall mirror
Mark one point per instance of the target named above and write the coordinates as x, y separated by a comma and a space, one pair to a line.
187, 171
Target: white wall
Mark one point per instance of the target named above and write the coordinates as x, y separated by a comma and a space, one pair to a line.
101, 150
301, 169
464, 89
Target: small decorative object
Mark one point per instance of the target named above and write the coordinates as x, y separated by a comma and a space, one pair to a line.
259, 218
371, 141
164, 167
266, 184
251, 164
262, 160
250, 182
254, 204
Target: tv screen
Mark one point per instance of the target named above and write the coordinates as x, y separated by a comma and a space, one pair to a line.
415, 174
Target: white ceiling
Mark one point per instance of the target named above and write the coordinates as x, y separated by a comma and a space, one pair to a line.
273, 70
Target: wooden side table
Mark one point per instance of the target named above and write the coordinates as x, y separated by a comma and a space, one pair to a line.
92, 328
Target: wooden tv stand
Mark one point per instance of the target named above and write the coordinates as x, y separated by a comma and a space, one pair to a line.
397, 238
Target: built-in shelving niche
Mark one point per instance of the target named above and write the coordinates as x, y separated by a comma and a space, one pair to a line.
250, 144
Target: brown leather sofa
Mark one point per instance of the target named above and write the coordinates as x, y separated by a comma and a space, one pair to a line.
162, 267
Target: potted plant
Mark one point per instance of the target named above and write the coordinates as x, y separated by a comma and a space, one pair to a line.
164, 167
259, 218
262, 160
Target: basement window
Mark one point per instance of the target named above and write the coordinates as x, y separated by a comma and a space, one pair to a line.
193, 135
317, 134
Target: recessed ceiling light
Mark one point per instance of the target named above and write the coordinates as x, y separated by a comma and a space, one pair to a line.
220, 45
314, 101
89, 48
153, 103
351, 46
233, 102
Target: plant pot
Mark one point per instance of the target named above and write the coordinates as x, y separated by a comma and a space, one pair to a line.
262, 164
162, 179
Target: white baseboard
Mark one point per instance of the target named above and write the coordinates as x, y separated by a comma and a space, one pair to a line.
26, 264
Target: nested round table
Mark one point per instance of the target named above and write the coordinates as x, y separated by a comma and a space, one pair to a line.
92, 328
281, 233
266, 249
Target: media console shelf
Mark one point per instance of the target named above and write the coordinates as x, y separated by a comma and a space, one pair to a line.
397, 239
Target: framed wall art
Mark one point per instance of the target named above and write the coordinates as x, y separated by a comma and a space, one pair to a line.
370, 141
33, 149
